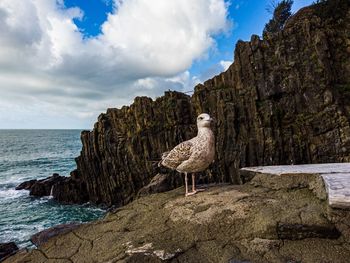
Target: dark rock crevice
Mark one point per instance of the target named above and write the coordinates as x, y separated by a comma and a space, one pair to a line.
299, 231
7, 249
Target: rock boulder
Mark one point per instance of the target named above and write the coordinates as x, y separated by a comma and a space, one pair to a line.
43, 187
7, 249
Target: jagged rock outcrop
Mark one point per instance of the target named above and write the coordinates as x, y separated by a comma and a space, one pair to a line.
71, 190
43, 187
26, 185
284, 100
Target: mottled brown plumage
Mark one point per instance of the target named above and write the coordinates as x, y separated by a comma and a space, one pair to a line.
176, 156
194, 155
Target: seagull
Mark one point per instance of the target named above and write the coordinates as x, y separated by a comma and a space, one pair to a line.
194, 155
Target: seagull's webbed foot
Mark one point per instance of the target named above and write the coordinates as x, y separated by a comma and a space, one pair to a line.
191, 193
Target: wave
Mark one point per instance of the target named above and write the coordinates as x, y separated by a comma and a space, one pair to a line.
12, 193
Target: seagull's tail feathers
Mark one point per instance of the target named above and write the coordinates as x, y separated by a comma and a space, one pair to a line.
158, 166
164, 155
162, 168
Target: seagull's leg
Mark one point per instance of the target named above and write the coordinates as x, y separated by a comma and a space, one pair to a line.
193, 186
186, 187
193, 182
195, 190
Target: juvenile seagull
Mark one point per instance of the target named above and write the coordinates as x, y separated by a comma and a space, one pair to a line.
194, 155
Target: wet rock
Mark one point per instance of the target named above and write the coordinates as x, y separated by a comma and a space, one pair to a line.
72, 190
42, 187
7, 249
26, 185
43, 236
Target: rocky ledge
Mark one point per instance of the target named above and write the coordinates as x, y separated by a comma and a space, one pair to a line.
264, 220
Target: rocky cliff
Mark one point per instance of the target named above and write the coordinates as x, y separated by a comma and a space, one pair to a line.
284, 100
119, 155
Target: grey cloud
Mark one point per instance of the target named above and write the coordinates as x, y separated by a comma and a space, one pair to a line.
46, 61
23, 34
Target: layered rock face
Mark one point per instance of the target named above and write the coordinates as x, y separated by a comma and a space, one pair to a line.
284, 100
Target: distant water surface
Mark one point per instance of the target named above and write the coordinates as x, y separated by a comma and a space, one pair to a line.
36, 154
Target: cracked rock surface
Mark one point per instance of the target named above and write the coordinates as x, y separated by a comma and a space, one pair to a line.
225, 223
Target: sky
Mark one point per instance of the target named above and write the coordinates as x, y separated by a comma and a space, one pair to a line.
63, 62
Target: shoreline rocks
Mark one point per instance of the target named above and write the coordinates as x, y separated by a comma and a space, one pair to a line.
43, 187
26, 185
7, 249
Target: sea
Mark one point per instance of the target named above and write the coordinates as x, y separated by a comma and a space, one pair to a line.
36, 154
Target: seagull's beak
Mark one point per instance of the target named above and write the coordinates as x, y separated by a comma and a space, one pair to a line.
212, 120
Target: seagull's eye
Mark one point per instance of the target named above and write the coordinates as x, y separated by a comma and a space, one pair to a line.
200, 118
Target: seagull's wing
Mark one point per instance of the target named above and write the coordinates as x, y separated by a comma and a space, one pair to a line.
176, 156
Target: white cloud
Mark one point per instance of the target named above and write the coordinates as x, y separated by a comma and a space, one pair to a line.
145, 47
225, 64
207, 73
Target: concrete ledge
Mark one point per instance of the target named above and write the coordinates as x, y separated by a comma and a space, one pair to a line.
332, 179
338, 189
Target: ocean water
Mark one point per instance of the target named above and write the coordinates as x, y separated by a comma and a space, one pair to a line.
36, 154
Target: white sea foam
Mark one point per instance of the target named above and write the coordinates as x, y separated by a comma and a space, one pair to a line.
12, 193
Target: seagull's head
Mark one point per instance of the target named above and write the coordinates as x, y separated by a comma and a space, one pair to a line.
204, 120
